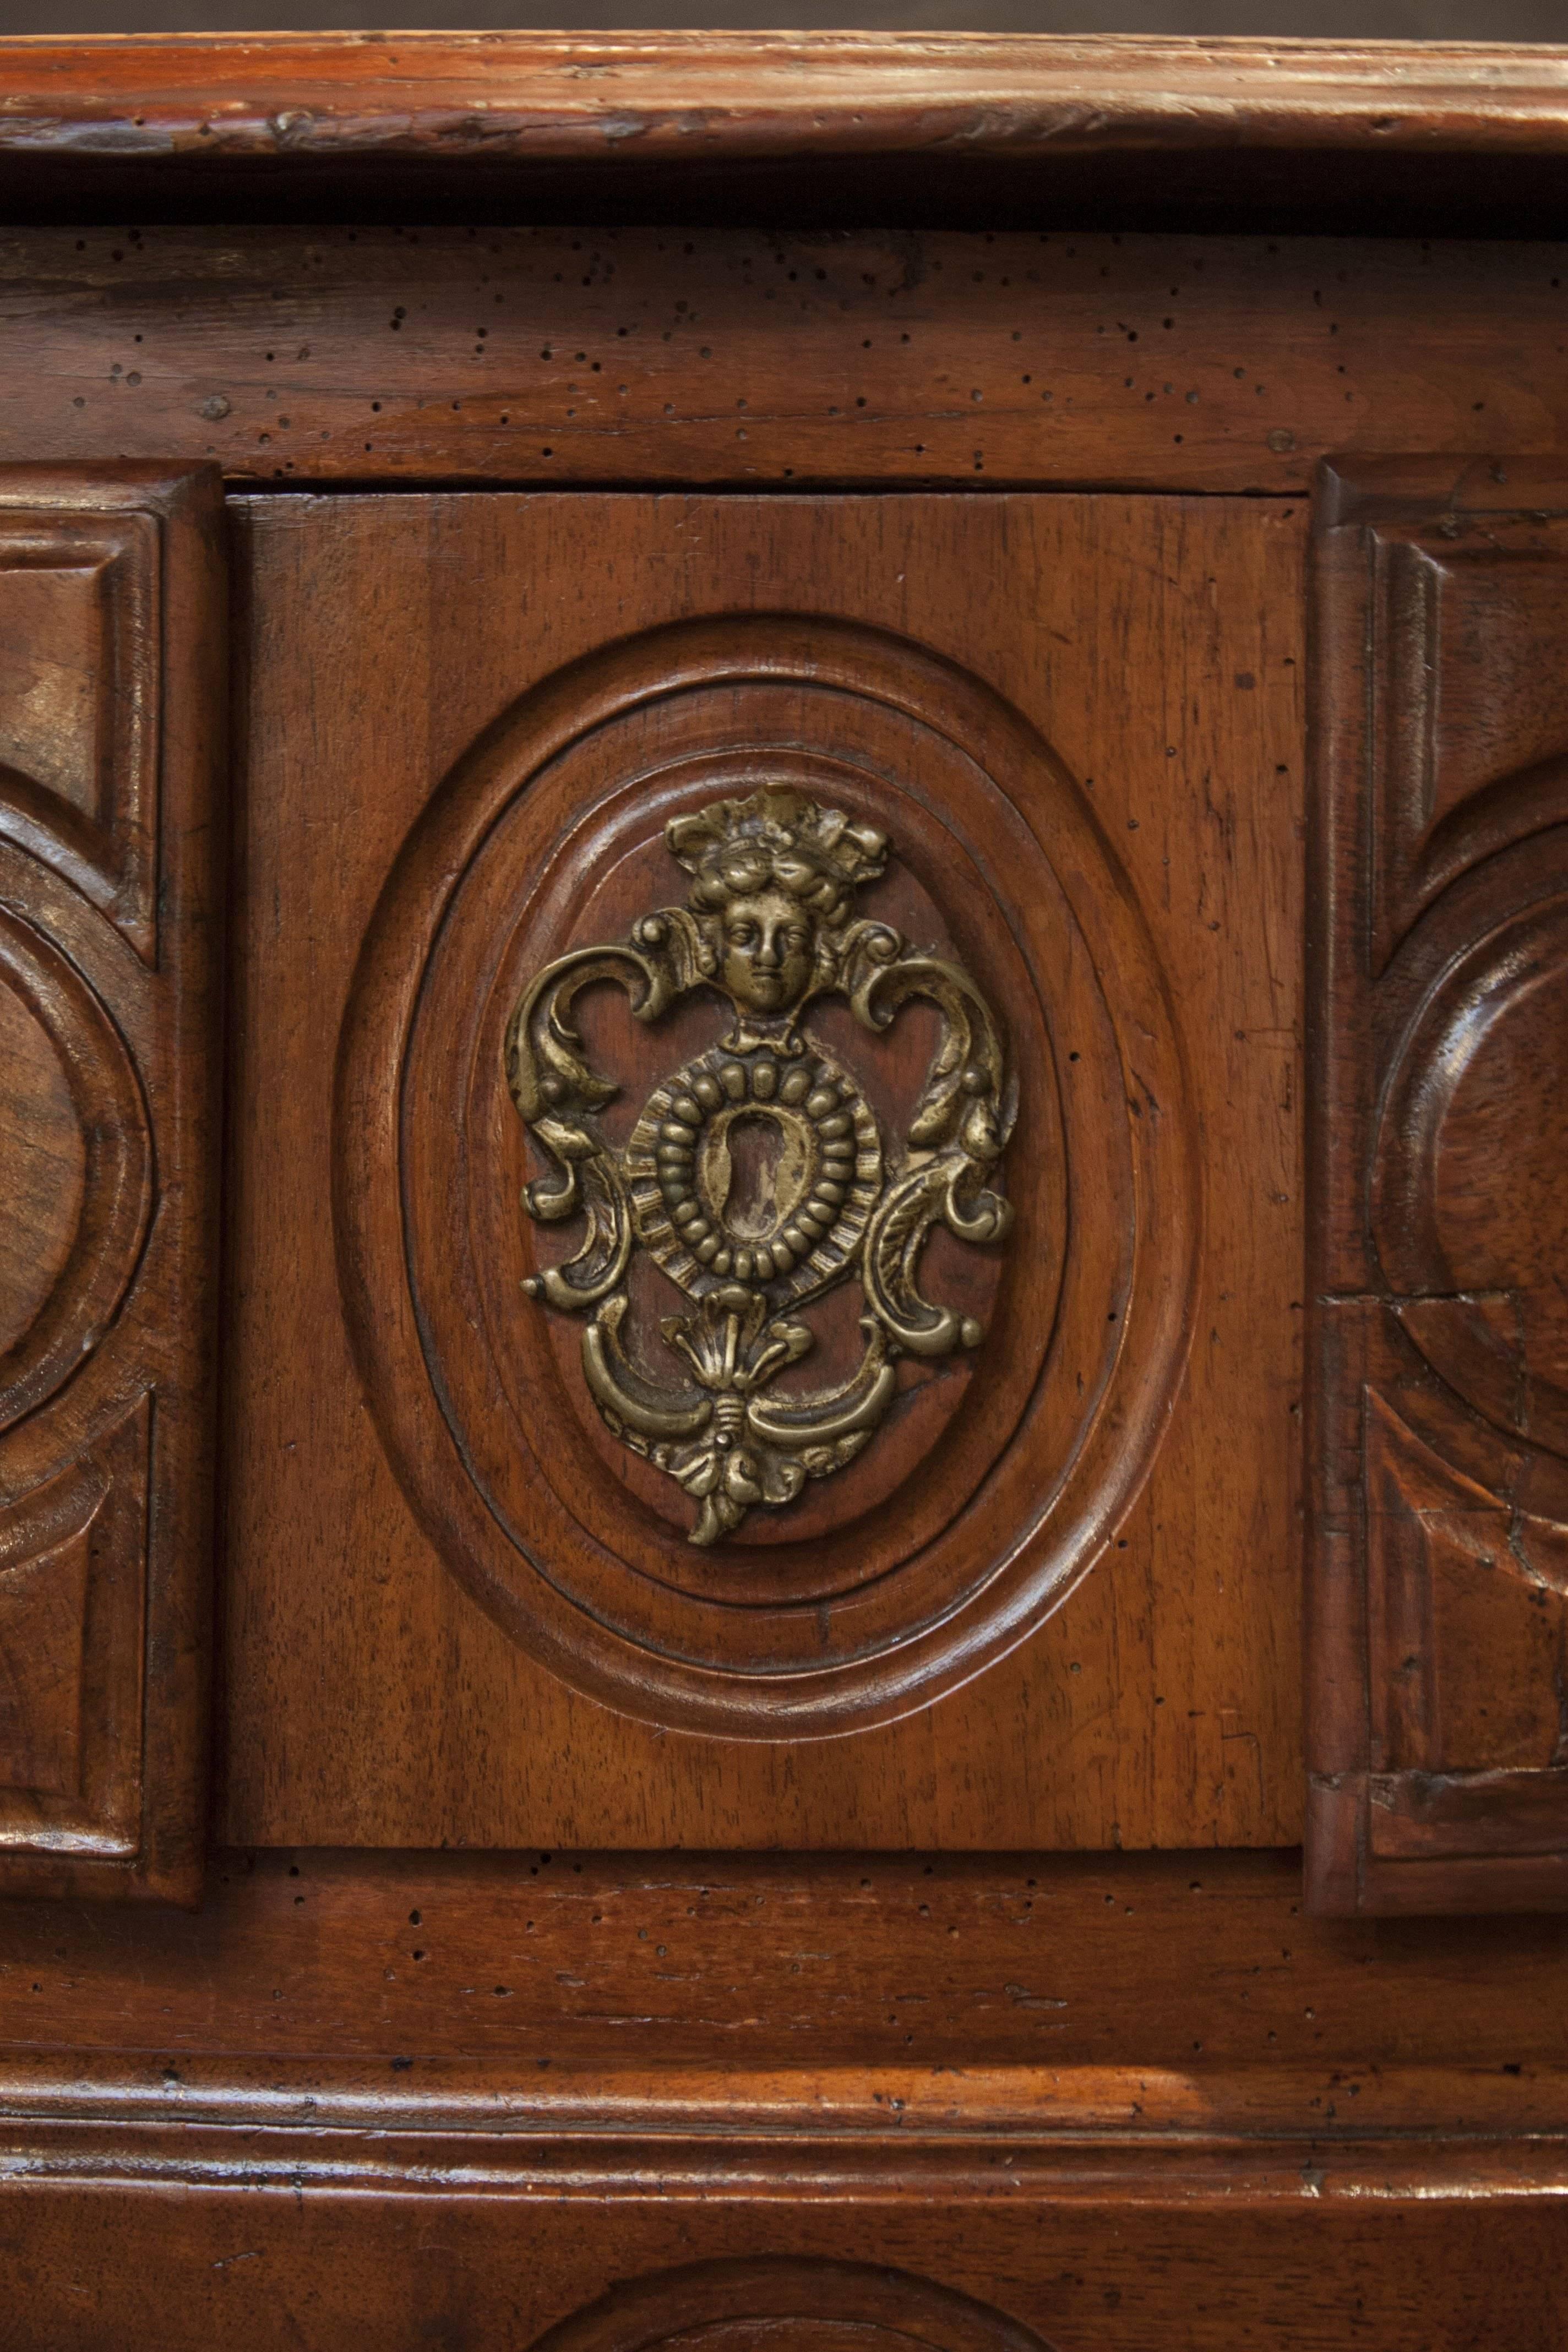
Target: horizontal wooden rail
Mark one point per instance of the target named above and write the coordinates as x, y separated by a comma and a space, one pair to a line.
903, 125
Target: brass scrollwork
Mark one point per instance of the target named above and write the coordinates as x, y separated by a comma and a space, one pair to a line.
770, 923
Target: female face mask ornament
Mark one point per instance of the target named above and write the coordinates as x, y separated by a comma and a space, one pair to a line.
770, 924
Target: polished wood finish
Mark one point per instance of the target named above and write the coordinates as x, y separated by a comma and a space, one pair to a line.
1149, 870
1086, 2100
820, 2304
796, 93
1180, 1993
1435, 1721
925, 126
683, 354
1121, 2099
1082, 2249
113, 652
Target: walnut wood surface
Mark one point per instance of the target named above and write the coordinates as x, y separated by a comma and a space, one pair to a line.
789, 90
634, 354
1435, 1721
1120, 2099
819, 2304
940, 1550
1282, 2245
917, 125
111, 666
1158, 1706
1092, 1991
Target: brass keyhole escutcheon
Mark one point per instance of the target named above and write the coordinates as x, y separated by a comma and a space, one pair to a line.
757, 1177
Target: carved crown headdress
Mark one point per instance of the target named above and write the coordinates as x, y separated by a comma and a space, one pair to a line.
776, 837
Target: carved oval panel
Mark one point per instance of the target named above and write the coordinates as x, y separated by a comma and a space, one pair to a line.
788, 2304
73, 1129
1468, 1205
766, 1217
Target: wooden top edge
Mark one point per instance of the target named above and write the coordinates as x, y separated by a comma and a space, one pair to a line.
703, 97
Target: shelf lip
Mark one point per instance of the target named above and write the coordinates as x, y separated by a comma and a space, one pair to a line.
538, 97
1423, 2119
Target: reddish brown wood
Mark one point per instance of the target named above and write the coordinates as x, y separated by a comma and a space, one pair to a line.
1113, 2101
1116, 2098
1435, 1724
1158, 1703
1285, 2245
1158, 1991
821, 2304
1075, 1363
918, 125
561, 95
678, 355
111, 665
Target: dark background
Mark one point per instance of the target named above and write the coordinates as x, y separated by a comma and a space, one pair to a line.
1341, 20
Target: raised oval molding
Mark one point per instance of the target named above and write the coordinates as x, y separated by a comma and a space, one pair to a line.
813, 2306
1011, 1461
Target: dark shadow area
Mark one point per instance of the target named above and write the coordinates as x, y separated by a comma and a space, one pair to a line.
1338, 20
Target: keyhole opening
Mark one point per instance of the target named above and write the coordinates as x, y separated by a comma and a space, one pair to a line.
753, 1170
752, 1198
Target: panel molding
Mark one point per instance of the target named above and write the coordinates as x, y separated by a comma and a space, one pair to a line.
1439, 1433
93, 811
1115, 1717
823, 2303
1113, 2244
111, 735
517, 1505
111, 1115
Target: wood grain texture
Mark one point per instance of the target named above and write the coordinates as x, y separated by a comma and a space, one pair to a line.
918, 125
1119, 2098
1159, 1705
1441, 1500
563, 93
1042, 1995
111, 724
820, 2306
1123, 2102
1286, 2246
874, 1603
631, 354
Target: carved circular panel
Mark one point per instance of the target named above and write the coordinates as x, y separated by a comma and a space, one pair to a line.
1468, 1205
75, 1125
41, 1139
766, 1217
787, 2306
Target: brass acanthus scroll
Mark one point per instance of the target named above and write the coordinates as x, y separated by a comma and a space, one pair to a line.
770, 924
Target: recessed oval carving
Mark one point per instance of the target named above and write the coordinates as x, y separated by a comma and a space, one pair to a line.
810, 2305
910, 1226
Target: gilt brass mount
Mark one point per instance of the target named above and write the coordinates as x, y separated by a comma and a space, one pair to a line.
770, 924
